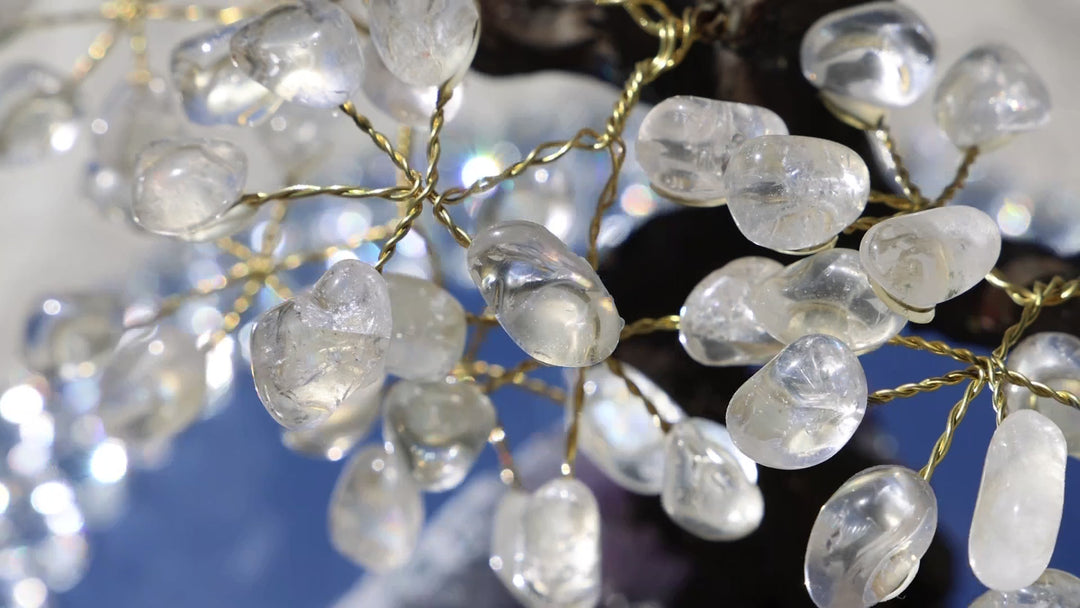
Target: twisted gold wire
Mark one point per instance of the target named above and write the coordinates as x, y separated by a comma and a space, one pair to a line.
903, 176
956, 416
923, 386
577, 405
616, 368
648, 326
962, 173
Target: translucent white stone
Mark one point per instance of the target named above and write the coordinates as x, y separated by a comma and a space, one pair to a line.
542, 195
70, 335
438, 429
717, 324
1021, 498
788, 192
802, 406
428, 337
685, 143
867, 540
311, 352
1054, 589
989, 95
826, 293
506, 547
1052, 358
709, 486
214, 91
548, 299
925, 258
376, 512
425, 43
408, 104
879, 54
39, 115
617, 432
153, 387
348, 425
189, 188
306, 52
43, 532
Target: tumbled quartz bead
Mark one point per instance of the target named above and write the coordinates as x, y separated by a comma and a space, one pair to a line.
1021, 498
718, 325
408, 104
617, 432
826, 293
152, 387
428, 336
802, 406
709, 485
425, 43
1052, 358
438, 429
39, 115
306, 52
870, 57
925, 258
70, 335
988, 96
376, 512
190, 189
348, 425
549, 300
685, 142
788, 193
867, 540
213, 90
506, 535
1054, 589
310, 353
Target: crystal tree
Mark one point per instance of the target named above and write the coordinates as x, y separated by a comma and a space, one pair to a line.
322, 355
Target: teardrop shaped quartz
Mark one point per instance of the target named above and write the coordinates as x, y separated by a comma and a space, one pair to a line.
71, 335
685, 142
988, 96
617, 432
1021, 498
1054, 589
348, 425
1052, 358
190, 189
548, 299
867, 540
39, 114
802, 407
428, 337
788, 192
376, 512
925, 258
406, 103
310, 353
306, 52
425, 43
718, 325
438, 429
826, 293
709, 486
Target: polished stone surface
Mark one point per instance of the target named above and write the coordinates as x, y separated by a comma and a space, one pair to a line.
1054, 589
428, 336
69, 335
802, 406
1021, 498
425, 43
334, 437
1052, 358
406, 103
867, 540
39, 114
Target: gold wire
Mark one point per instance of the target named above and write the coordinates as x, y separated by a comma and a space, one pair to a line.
648, 326
956, 416
569, 463
616, 368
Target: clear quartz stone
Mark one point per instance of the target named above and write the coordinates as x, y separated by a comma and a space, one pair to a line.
875, 55
213, 90
867, 540
189, 188
709, 486
1052, 358
802, 406
408, 104
988, 96
1054, 589
685, 143
717, 324
70, 335
826, 293
425, 43
1021, 498
311, 352
438, 429
542, 195
506, 547
153, 386
39, 115
376, 512
788, 192
348, 425
428, 336
617, 432
548, 299
306, 52
925, 258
